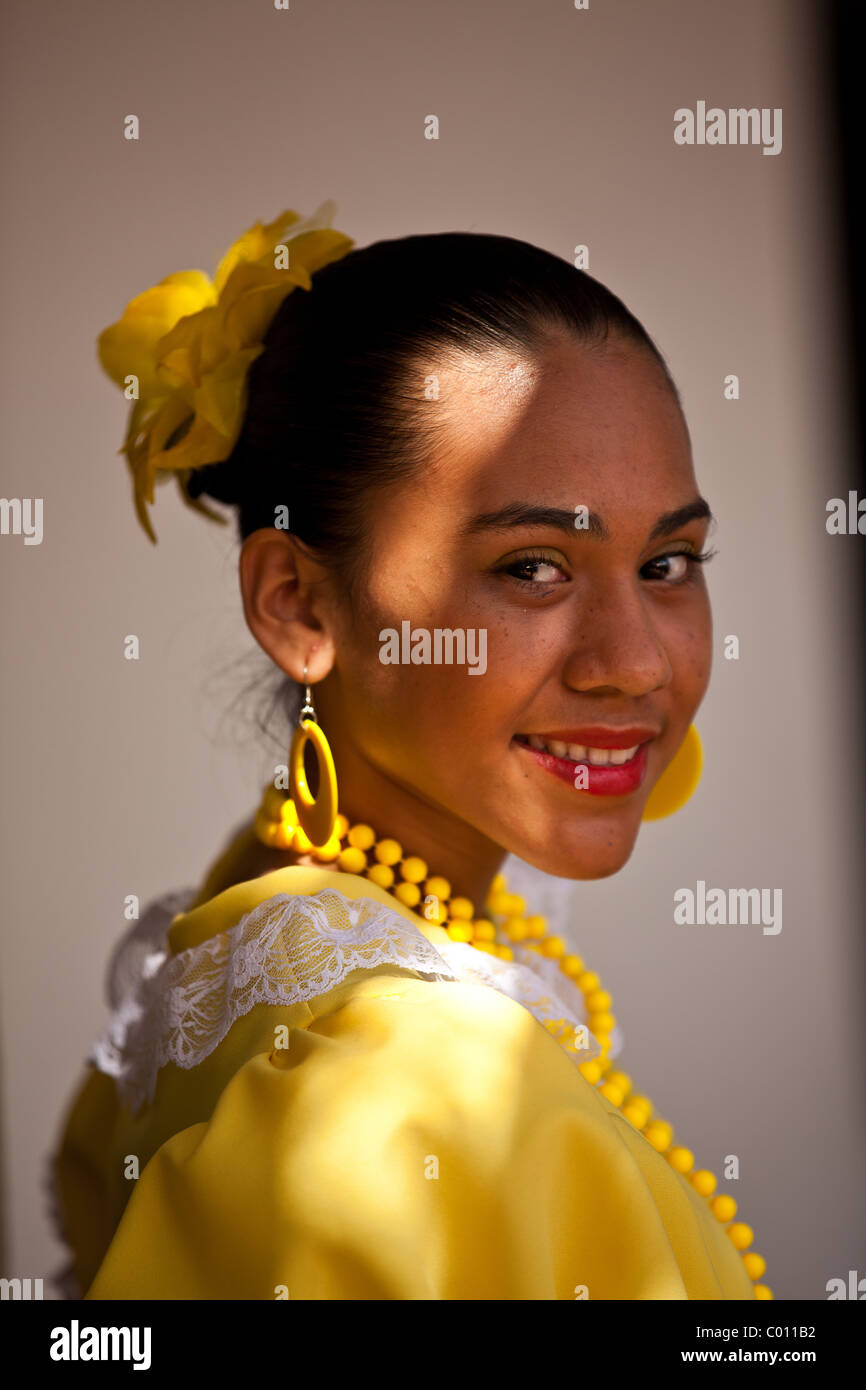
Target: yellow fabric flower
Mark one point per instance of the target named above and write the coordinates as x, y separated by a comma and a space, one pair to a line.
190, 341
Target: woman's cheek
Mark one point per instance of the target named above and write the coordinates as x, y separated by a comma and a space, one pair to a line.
695, 654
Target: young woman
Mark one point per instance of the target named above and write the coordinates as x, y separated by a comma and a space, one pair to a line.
352, 1064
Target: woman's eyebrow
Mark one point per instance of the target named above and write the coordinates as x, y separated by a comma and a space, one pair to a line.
525, 514
698, 510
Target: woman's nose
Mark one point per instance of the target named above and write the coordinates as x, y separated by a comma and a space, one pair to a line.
616, 646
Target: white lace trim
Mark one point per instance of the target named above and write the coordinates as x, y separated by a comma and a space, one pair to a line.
538, 984
286, 950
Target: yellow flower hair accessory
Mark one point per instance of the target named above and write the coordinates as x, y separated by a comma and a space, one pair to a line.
182, 349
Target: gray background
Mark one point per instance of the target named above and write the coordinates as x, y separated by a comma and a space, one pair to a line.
556, 126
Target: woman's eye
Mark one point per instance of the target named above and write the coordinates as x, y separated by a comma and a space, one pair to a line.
545, 571
674, 568
535, 571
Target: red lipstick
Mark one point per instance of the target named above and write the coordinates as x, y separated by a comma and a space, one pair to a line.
584, 776
600, 736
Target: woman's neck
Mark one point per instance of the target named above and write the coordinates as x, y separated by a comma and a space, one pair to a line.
441, 846
449, 845
449, 848
254, 859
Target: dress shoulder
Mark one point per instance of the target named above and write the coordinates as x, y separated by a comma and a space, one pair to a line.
422, 1140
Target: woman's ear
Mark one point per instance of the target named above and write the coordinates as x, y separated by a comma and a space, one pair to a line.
284, 593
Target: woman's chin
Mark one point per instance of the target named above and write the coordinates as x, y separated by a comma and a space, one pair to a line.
590, 858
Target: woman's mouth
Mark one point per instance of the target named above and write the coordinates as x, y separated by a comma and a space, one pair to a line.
612, 765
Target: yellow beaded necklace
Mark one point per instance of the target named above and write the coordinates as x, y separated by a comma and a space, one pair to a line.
355, 850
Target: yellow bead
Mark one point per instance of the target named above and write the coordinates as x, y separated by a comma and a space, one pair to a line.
599, 1002
704, 1182
499, 904
282, 837
499, 885
536, 926
515, 928
723, 1207
434, 910
462, 908
265, 829
391, 852
273, 802
352, 861
590, 1071
741, 1234
755, 1264
362, 837
573, 966
289, 813
622, 1080
460, 931
381, 874
516, 906
637, 1099
437, 887
302, 841
636, 1114
612, 1093
486, 946
660, 1134
553, 947
483, 930
655, 1137
407, 893
413, 870
761, 1291
341, 826
681, 1159
506, 953
601, 1023
588, 982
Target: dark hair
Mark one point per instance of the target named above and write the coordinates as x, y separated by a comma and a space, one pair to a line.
336, 405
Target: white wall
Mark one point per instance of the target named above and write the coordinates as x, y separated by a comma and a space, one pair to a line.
556, 126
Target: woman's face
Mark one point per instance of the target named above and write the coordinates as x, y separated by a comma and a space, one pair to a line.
552, 530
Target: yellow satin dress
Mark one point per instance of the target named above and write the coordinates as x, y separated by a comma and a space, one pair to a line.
417, 1139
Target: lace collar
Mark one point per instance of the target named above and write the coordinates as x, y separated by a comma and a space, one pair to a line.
289, 948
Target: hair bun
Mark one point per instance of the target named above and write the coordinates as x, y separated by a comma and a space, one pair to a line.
216, 480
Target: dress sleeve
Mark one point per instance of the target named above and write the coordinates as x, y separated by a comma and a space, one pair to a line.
426, 1140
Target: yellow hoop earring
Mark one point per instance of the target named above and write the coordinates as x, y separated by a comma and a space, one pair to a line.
317, 815
678, 780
